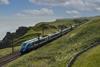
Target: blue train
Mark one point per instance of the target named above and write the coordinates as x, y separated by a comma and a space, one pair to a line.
36, 42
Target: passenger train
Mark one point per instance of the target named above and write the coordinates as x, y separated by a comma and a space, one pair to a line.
36, 42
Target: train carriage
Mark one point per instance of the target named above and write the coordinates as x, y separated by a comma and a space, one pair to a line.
36, 42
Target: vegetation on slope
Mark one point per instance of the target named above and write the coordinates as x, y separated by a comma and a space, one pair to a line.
59, 52
6, 51
45, 28
25, 33
91, 58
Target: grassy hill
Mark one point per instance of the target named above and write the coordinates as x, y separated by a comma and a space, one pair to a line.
91, 58
7, 51
59, 52
32, 32
51, 27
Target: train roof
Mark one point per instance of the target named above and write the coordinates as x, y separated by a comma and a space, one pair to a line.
32, 40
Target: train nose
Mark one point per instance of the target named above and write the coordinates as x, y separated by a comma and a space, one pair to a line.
22, 50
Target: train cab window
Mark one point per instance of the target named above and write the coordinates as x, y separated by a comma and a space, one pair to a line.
23, 45
30, 45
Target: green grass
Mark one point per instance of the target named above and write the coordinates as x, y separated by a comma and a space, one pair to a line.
32, 34
66, 22
37, 29
91, 58
6, 51
59, 52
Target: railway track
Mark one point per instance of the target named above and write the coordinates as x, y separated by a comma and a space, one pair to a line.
6, 59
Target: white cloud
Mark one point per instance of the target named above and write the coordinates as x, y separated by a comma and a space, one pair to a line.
98, 9
75, 2
73, 13
6, 2
10, 24
82, 5
35, 13
57, 2
49, 2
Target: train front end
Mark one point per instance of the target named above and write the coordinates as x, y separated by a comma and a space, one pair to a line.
23, 48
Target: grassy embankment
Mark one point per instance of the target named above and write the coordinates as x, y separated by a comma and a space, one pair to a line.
52, 27
91, 58
7, 51
59, 52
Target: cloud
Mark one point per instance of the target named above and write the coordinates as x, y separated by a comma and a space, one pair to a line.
98, 9
36, 13
48, 2
10, 24
57, 2
82, 5
6, 2
73, 13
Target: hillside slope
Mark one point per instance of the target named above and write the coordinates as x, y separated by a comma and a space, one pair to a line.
91, 58
59, 52
25, 33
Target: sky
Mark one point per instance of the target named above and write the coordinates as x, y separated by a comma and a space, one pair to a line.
15, 13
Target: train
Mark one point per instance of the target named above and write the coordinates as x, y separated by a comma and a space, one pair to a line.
34, 43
